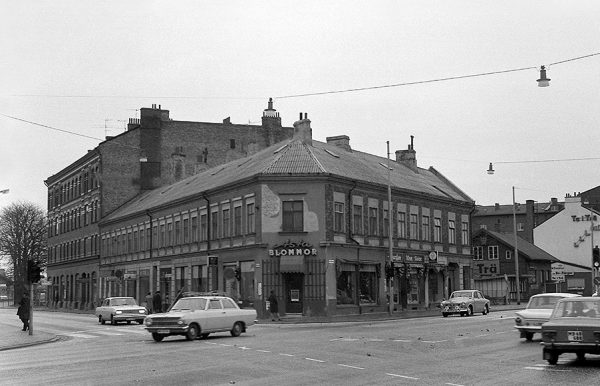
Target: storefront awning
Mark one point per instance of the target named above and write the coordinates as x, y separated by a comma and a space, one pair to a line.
291, 264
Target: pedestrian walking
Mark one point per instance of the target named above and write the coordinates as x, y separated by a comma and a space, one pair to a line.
23, 311
149, 303
157, 303
273, 306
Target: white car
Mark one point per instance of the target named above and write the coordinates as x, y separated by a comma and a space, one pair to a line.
465, 303
538, 311
120, 309
198, 316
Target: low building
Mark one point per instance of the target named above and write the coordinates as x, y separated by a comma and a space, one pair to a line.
495, 267
305, 219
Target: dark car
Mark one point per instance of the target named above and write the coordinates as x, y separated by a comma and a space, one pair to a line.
574, 327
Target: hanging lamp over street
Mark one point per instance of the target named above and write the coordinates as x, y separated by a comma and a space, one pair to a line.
544, 81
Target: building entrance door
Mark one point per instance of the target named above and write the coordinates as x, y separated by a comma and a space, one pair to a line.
294, 283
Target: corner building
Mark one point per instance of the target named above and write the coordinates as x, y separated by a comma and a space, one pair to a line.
154, 151
306, 219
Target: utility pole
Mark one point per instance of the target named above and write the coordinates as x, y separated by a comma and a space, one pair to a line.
391, 289
516, 248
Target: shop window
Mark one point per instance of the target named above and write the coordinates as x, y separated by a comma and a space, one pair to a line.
347, 292
199, 278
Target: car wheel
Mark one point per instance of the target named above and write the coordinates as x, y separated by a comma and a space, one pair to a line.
580, 356
192, 332
445, 314
237, 329
113, 321
101, 319
552, 357
157, 337
529, 336
204, 335
486, 310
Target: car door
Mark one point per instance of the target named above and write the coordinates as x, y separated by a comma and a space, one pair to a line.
215, 319
232, 312
103, 309
478, 301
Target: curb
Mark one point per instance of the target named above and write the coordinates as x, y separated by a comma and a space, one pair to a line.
29, 344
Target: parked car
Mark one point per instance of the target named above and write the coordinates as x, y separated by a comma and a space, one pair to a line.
574, 327
199, 316
538, 311
465, 303
120, 309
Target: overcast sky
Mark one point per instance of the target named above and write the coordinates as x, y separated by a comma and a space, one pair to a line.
88, 66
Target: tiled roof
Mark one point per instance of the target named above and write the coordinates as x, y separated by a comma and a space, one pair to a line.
294, 157
525, 248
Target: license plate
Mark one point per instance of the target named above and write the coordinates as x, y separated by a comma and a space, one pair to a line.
575, 336
163, 331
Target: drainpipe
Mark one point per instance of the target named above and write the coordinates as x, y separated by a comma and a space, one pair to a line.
357, 281
208, 239
149, 214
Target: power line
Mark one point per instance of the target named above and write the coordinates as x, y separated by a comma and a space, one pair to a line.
50, 127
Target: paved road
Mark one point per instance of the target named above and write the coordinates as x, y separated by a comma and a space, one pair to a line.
479, 350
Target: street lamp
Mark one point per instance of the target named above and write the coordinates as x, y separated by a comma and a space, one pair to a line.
514, 210
389, 188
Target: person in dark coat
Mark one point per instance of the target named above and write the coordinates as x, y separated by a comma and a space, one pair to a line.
23, 311
273, 306
157, 303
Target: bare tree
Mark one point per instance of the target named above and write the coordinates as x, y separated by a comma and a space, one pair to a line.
23, 235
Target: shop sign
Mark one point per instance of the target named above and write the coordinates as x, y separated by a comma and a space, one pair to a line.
293, 249
409, 259
130, 276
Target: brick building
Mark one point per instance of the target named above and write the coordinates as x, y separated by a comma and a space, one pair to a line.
154, 151
306, 219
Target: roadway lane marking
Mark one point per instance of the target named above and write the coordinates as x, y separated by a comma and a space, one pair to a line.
544, 369
287, 355
403, 340
263, 350
351, 367
314, 360
211, 343
107, 333
244, 348
401, 376
453, 384
434, 341
226, 345
344, 340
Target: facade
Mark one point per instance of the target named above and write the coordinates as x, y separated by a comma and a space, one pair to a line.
499, 218
494, 266
305, 219
154, 151
571, 236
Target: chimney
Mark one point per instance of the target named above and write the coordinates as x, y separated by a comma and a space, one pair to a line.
341, 141
302, 130
227, 121
408, 157
496, 206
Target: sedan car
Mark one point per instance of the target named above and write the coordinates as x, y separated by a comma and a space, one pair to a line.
120, 309
538, 310
465, 303
574, 327
198, 316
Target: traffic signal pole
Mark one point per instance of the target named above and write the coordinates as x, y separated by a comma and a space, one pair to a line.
30, 308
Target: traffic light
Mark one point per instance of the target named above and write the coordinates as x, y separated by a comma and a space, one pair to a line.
34, 271
596, 257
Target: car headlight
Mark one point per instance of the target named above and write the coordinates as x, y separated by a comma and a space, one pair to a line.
518, 321
118, 312
142, 311
463, 305
180, 322
148, 321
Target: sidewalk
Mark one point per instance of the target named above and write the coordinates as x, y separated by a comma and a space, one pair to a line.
11, 336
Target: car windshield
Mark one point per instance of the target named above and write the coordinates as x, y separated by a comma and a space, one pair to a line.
543, 302
577, 309
191, 304
123, 302
462, 294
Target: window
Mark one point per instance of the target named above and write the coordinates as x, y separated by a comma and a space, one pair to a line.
135, 241
232, 143
163, 235
250, 218
508, 255
402, 225
465, 233
520, 227
357, 222
195, 230
373, 231
478, 253
386, 223
414, 230
177, 232
338, 217
347, 291
170, 234
451, 232
237, 221
482, 226
425, 228
186, 230
226, 222
492, 252
293, 213
203, 227
143, 245
214, 225
437, 230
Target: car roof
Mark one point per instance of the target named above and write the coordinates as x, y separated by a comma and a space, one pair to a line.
120, 297
562, 294
581, 299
